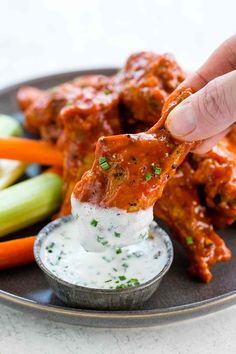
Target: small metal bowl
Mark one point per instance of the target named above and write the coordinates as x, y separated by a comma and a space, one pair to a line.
100, 299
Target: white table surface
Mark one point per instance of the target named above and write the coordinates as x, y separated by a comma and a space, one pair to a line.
40, 37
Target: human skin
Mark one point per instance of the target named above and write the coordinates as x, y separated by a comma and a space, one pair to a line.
209, 113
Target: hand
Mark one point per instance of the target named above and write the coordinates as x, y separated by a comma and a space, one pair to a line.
209, 113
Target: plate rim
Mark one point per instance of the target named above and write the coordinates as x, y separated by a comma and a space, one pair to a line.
223, 300
172, 314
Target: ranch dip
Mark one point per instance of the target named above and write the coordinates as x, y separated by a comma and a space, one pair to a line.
115, 227
114, 267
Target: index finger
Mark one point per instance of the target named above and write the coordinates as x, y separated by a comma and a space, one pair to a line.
221, 61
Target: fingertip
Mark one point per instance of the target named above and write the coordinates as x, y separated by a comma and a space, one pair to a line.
206, 145
181, 121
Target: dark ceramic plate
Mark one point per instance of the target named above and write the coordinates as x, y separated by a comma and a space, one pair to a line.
178, 297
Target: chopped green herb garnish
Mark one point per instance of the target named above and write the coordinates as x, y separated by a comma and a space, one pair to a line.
116, 234
50, 247
121, 286
101, 240
104, 243
102, 159
108, 281
157, 170
122, 277
118, 250
148, 176
94, 222
138, 254
103, 163
125, 265
189, 240
115, 269
133, 280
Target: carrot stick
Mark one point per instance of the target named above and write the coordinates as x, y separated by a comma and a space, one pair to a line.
18, 252
30, 150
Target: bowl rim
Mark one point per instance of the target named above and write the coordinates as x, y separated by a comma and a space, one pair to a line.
45, 231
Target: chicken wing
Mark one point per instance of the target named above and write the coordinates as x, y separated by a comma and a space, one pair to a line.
180, 208
42, 108
145, 83
73, 115
216, 173
130, 171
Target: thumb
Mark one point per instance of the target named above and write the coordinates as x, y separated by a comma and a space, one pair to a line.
206, 113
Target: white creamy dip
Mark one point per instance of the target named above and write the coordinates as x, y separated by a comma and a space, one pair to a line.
100, 227
114, 268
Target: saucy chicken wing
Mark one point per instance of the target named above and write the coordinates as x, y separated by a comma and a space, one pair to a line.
180, 208
73, 115
42, 108
83, 123
145, 83
130, 171
216, 173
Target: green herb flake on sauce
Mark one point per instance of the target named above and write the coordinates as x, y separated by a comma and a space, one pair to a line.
189, 240
103, 163
148, 176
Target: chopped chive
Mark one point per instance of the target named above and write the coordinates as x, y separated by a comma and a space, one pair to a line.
133, 280
189, 240
102, 159
94, 222
108, 281
122, 277
104, 243
157, 170
105, 166
101, 240
115, 269
138, 254
118, 250
116, 234
103, 163
50, 247
148, 176
121, 286
125, 265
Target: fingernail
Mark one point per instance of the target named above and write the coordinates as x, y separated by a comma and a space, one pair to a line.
181, 121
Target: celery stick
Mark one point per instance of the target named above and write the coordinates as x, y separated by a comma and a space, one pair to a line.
28, 202
9, 126
10, 170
